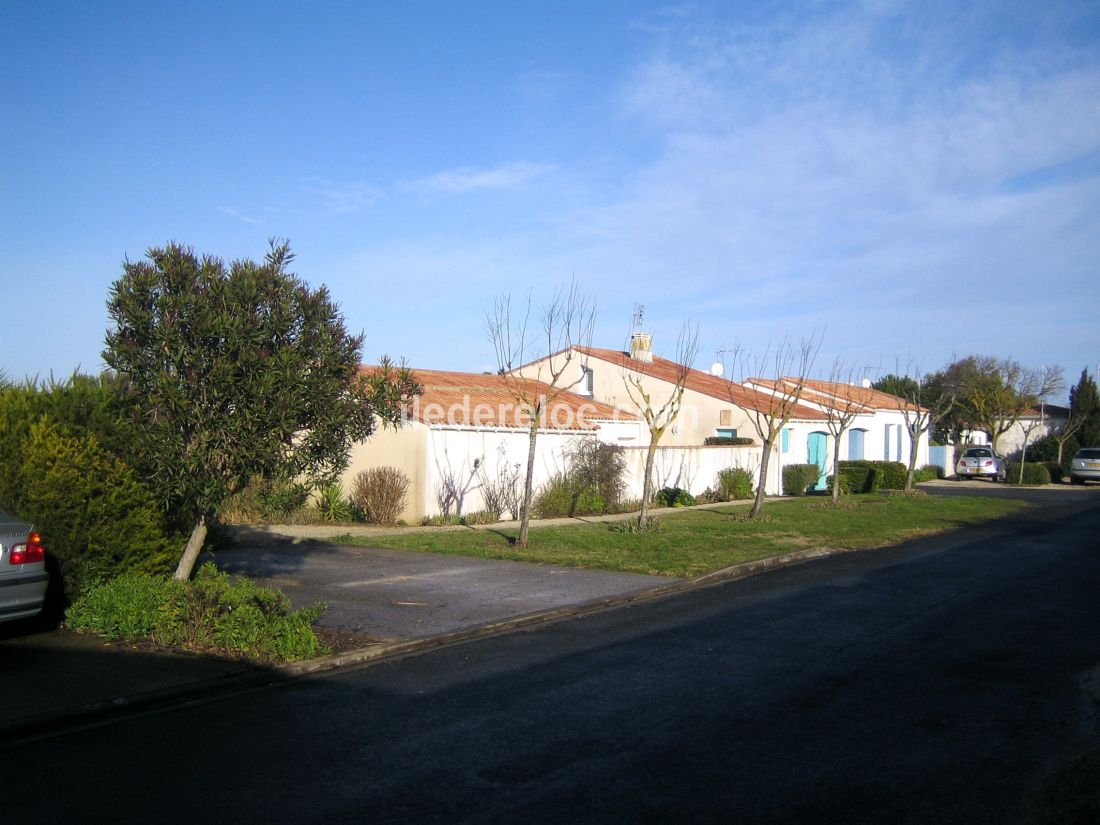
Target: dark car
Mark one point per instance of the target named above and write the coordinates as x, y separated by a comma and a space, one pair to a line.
23, 576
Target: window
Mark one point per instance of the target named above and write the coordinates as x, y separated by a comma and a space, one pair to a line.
786, 440
727, 432
588, 383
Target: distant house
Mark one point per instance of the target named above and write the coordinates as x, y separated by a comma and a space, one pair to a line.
466, 427
878, 431
712, 406
1038, 422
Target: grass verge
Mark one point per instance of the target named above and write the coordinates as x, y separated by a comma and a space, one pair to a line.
698, 541
211, 614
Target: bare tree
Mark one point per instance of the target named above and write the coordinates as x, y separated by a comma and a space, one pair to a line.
921, 402
659, 412
566, 322
841, 408
788, 366
995, 393
1068, 430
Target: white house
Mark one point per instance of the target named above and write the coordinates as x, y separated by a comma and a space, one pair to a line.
712, 406
466, 428
878, 431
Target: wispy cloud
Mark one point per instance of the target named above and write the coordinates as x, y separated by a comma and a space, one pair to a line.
469, 179
343, 196
236, 214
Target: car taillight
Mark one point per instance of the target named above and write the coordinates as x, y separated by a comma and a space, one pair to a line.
989, 464
28, 552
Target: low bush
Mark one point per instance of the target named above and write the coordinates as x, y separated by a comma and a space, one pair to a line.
1034, 474
563, 496
332, 505
650, 525
929, 472
733, 484
210, 613
797, 477
381, 494
1055, 470
727, 441
673, 497
450, 520
480, 517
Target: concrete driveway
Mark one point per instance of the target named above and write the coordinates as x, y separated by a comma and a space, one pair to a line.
397, 595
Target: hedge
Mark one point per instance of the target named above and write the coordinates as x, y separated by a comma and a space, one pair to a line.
733, 484
889, 475
1035, 474
727, 441
797, 477
856, 480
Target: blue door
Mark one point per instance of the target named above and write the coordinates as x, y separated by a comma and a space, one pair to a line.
818, 450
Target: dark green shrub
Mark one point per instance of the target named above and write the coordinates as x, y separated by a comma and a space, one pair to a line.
1034, 474
733, 484
210, 613
673, 497
727, 441
381, 493
797, 477
96, 518
855, 480
1054, 469
929, 472
889, 475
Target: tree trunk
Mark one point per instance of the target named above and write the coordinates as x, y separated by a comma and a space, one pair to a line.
914, 443
836, 468
191, 552
528, 486
647, 482
765, 455
1023, 462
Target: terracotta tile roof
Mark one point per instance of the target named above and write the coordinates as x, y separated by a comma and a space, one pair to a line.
701, 382
829, 393
477, 400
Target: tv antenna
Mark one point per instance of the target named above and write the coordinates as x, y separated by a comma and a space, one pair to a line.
639, 314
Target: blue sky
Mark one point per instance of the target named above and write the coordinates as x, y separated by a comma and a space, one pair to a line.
912, 181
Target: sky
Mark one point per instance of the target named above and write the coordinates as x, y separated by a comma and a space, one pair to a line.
906, 182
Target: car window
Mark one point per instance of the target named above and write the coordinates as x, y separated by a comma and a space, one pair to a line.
978, 454
1088, 454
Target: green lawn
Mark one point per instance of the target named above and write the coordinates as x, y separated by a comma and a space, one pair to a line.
698, 541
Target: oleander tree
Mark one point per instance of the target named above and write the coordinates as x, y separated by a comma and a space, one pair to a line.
235, 371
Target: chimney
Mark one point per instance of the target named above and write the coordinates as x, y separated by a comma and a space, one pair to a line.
641, 347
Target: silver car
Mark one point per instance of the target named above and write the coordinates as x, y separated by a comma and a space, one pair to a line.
980, 462
1085, 466
23, 576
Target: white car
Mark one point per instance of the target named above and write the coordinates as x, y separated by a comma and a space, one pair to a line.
980, 462
23, 576
1085, 466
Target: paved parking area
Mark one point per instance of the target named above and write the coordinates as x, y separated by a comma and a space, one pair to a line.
396, 594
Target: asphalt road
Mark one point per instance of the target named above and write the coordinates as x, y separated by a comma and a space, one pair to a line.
938, 681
